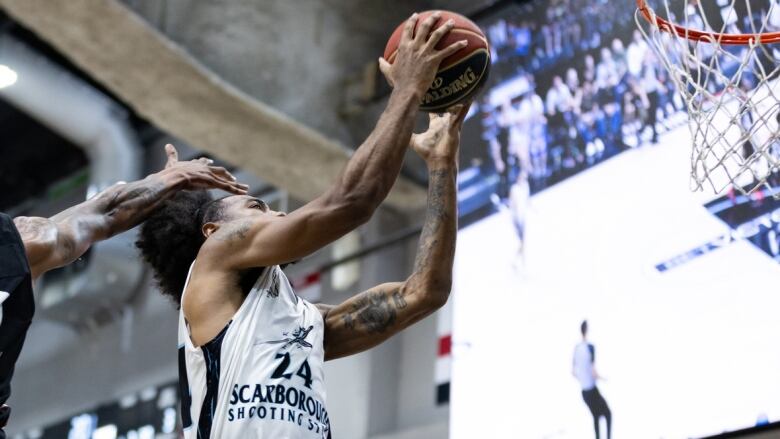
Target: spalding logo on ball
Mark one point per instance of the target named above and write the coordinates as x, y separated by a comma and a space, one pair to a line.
460, 75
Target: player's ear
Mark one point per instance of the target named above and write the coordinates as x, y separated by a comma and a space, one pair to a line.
209, 228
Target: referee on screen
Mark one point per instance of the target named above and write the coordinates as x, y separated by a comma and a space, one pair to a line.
584, 369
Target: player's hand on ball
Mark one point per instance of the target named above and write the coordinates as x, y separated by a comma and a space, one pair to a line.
441, 142
417, 60
200, 174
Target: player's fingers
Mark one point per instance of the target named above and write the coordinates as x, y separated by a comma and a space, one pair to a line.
425, 28
222, 172
173, 155
452, 48
439, 33
384, 67
408, 32
239, 189
227, 186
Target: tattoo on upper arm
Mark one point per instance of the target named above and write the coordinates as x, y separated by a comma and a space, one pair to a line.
374, 310
398, 299
349, 322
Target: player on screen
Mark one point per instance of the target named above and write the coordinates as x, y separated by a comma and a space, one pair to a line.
584, 369
251, 352
31, 246
519, 197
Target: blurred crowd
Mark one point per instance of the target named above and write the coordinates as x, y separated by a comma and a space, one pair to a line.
594, 89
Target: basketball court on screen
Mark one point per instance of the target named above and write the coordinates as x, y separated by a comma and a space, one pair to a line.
685, 352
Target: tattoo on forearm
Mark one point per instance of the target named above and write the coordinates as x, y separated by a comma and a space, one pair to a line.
32, 228
131, 203
440, 197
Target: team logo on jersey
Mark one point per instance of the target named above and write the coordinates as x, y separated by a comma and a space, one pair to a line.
273, 290
297, 338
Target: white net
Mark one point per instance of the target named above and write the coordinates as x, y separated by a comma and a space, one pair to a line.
730, 90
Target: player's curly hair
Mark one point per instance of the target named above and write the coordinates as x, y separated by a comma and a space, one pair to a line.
171, 237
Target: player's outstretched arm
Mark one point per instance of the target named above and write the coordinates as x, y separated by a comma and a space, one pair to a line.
375, 315
61, 239
365, 181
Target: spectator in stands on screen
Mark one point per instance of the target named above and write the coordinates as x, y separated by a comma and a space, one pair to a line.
652, 89
636, 54
521, 37
533, 106
570, 28
516, 118
572, 80
773, 18
559, 106
590, 30
590, 123
555, 45
494, 133
490, 131
548, 43
607, 70
559, 99
610, 101
620, 58
584, 369
634, 111
498, 33
589, 72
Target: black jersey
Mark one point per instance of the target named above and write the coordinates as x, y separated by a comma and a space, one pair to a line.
16, 306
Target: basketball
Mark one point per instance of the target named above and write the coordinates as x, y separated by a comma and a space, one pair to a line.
460, 75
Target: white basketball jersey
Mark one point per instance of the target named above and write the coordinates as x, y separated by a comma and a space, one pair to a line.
261, 377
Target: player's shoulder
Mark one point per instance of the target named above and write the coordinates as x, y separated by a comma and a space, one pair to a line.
323, 308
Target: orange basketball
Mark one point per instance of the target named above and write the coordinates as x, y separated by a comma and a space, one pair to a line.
461, 74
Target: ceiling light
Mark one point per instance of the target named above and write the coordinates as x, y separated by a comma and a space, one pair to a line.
7, 76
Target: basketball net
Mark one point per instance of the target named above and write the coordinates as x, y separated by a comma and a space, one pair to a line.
728, 79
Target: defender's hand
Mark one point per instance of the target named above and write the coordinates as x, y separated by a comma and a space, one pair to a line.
442, 140
417, 59
200, 174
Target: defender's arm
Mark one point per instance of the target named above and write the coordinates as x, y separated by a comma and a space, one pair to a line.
59, 240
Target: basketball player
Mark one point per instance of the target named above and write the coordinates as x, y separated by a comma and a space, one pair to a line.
519, 197
251, 352
584, 369
31, 246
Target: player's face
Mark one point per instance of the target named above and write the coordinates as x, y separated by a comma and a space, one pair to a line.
246, 206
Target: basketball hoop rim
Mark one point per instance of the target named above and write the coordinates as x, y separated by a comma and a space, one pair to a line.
709, 37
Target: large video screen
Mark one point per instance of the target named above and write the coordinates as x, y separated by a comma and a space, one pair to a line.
592, 287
